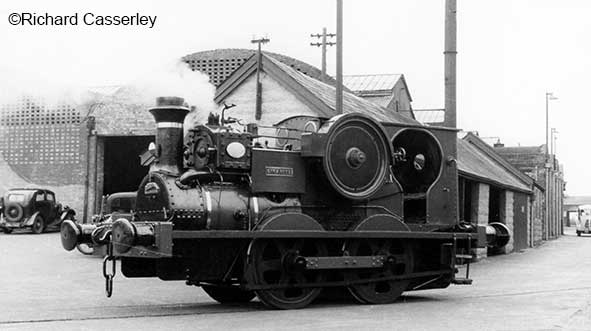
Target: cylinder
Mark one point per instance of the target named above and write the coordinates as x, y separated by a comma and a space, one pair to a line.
169, 114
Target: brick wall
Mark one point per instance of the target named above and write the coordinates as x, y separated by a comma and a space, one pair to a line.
43, 146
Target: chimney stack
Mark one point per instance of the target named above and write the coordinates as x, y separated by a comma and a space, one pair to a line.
169, 114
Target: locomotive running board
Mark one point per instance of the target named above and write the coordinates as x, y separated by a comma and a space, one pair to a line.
230, 234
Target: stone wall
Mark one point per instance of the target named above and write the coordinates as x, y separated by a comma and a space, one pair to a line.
506, 206
480, 196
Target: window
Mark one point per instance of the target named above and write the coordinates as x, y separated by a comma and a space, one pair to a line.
50, 197
40, 197
16, 197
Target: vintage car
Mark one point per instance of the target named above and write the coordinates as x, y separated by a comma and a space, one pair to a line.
33, 208
113, 207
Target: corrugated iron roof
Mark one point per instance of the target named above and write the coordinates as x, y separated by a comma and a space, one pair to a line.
364, 83
351, 102
430, 116
475, 163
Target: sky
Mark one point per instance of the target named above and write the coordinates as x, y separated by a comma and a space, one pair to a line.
510, 53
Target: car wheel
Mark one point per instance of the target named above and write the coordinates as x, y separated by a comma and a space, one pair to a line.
14, 212
7, 230
579, 233
38, 225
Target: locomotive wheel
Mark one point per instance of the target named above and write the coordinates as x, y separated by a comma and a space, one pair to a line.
228, 294
398, 251
272, 262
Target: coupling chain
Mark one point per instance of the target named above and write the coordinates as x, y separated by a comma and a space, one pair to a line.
109, 275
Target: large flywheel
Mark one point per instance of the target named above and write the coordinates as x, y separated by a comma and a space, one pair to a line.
357, 155
274, 263
399, 262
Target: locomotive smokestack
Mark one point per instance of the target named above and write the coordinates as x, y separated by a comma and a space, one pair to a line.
169, 114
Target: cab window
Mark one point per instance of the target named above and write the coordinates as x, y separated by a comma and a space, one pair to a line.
40, 197
50, 197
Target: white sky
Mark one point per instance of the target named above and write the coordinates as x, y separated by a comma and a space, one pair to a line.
509, 54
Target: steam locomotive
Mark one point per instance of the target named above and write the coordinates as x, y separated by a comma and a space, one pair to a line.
351, 204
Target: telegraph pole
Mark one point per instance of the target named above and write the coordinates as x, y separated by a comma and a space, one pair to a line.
259, 100
339, 96
450, 63
323, 44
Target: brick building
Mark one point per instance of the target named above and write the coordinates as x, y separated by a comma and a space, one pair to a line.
75, 150
531, 160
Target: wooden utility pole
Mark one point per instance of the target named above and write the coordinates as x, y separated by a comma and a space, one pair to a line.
450, 63
323, 44
259, 100
339, 96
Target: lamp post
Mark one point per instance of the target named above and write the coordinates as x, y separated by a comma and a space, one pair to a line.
549, 96
553, 133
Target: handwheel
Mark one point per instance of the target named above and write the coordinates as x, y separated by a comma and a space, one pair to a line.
273, 263
398, 252
228, 294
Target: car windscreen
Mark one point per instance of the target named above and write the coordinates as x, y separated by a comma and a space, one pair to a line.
16, 198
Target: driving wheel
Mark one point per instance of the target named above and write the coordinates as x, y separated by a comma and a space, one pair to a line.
274, 263
398, 256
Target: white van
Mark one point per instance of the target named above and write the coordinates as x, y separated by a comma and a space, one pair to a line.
584, 219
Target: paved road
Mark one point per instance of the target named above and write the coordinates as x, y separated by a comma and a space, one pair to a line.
44, 287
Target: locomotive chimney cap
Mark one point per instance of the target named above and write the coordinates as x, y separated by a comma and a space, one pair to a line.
170, 109
170, 101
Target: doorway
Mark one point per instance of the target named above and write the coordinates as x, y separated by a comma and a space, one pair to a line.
122, 171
